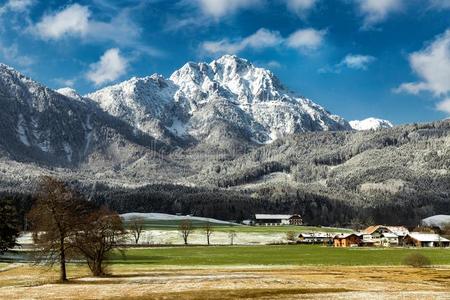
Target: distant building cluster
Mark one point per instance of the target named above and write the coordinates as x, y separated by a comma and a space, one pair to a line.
389, 236
372, 236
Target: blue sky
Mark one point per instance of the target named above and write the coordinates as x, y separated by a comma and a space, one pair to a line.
358, 58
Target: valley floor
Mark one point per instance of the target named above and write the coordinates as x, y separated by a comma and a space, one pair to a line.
240, 272
243, 282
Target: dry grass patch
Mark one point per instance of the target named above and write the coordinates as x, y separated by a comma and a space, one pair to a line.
290, 282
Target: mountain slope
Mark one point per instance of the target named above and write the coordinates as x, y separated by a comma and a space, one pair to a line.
204, 101
38, 124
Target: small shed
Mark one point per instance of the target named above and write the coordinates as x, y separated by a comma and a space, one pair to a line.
419, 239
347, 240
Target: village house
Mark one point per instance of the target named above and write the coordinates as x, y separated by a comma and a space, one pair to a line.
315, 238
347, 240
381, 235
419, 239
277, 220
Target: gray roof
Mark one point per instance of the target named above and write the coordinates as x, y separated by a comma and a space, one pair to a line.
427, 237
272, 217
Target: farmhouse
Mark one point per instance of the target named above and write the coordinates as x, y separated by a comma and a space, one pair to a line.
277, 220
419, 239
381, 235
316, 238
347, 240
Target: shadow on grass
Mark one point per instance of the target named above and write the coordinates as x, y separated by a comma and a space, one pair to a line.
226, 294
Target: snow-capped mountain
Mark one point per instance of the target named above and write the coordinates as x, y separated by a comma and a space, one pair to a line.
370, 124
229, 96
228, 103
39, 124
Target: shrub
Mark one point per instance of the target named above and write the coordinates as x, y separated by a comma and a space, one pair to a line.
416, 260
290, 236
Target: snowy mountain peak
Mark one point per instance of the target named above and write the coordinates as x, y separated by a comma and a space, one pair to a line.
229, 93
370, 124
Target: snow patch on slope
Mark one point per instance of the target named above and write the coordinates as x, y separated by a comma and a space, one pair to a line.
21, 131
370, 124
437, 221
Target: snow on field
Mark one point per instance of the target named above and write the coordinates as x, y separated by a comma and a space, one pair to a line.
173, 237
167, 217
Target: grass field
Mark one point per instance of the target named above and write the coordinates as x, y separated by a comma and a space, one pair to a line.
275, 255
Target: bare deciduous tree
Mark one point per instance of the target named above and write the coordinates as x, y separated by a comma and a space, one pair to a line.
185, 229
136, 225
55, 217
232, 235
208, 231
101, 233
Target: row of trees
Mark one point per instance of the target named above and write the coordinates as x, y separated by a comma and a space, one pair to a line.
64, 226
185, 228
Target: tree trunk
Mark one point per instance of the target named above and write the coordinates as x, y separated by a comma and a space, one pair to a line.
207, 238
96, 268
98, 271
62, 262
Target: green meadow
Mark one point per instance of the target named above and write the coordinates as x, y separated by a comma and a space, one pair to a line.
274, 255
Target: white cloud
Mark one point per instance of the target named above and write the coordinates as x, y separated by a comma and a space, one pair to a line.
110, 67
432, 65
376, 11
350, 61
357, 61
222, 8
263, 38
16, 6
444, 106
72, 20
303, 40
300, 7
76, 21
306, 39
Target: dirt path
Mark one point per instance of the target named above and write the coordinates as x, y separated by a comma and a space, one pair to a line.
233, 283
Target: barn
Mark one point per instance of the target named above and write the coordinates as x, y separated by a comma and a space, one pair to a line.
419, 239
277, 220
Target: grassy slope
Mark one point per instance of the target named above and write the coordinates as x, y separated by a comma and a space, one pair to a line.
275, 255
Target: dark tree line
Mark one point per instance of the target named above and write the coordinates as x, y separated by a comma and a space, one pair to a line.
9, 224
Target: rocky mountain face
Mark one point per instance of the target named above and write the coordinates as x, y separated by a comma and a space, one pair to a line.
370, 124
228, 98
